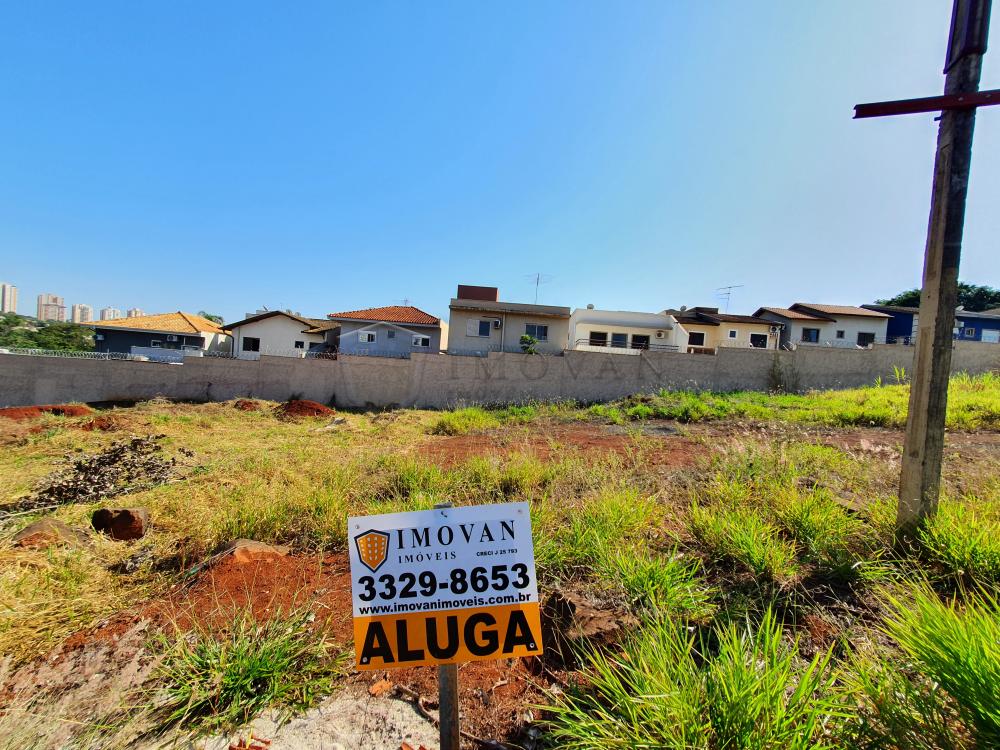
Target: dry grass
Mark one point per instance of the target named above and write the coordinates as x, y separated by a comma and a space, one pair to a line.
779, 510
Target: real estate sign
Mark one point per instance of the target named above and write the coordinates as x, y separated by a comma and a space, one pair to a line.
444, 586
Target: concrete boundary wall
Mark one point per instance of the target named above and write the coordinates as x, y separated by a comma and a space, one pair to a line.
441, 381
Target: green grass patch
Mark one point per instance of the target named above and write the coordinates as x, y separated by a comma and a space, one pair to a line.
221, 683
656, 584
963, 539
665, 691
973, 403
958, 648
744, 535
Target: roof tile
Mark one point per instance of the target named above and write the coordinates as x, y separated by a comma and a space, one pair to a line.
174, 322
390, 314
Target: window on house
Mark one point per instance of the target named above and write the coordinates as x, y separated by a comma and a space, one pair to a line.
619, 340
991, 336
810, 335
758, 340
969, 333
422, 341
696, 338
640, 341
539, 333
366, 337
300, 344
840, 334
732, 334
479, 328
391, 333
250, 344
866, 339
598, 338
156, 344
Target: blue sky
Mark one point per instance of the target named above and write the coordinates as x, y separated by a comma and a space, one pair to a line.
332, 156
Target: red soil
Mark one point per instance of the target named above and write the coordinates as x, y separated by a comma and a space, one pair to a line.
19, 413
246, 404
548, 443
297, 408
495, 696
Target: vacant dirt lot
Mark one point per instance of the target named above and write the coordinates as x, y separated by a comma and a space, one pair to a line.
91, 623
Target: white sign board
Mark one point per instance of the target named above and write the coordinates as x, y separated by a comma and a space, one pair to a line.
444, 586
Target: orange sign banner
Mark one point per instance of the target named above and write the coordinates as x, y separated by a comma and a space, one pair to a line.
448, 637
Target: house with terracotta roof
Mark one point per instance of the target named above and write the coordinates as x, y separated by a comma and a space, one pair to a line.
808, 324
175, 332
277, 333
393, 331
708, 330
480, 323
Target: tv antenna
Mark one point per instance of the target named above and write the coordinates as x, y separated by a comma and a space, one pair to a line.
406, 302
539, 278
726, 293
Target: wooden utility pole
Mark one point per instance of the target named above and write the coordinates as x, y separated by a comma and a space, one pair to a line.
920, 478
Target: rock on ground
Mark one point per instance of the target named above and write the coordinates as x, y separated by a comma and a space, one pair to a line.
121, 524
46, 532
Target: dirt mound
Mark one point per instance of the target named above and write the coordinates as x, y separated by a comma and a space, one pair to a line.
19, 413
297, 408
124, 466
103, 423
247, 404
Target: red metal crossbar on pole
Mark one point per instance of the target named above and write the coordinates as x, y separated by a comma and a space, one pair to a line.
927, 104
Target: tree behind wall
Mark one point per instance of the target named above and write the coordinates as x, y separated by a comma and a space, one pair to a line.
971, 297
19, 331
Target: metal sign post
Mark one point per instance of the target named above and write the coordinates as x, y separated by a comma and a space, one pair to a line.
448, 720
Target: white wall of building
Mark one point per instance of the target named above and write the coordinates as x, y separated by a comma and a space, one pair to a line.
277, 335
849, 325
662, 330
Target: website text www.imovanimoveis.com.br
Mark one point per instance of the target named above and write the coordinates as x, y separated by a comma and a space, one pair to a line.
477, 601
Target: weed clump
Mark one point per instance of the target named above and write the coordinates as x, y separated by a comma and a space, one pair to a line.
670, 689
222, 683
959, 649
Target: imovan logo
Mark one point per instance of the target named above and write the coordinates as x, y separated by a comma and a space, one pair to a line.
373, 548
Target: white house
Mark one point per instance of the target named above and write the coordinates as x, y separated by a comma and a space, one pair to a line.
276, 333
623, 332
808, 324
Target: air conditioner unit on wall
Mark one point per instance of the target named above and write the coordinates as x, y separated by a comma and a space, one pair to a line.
660, 334
171, 337
775, 329
497, 323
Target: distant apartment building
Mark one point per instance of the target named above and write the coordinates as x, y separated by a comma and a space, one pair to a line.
83, 313
8, 298
135, 312
51, 307
110, 313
